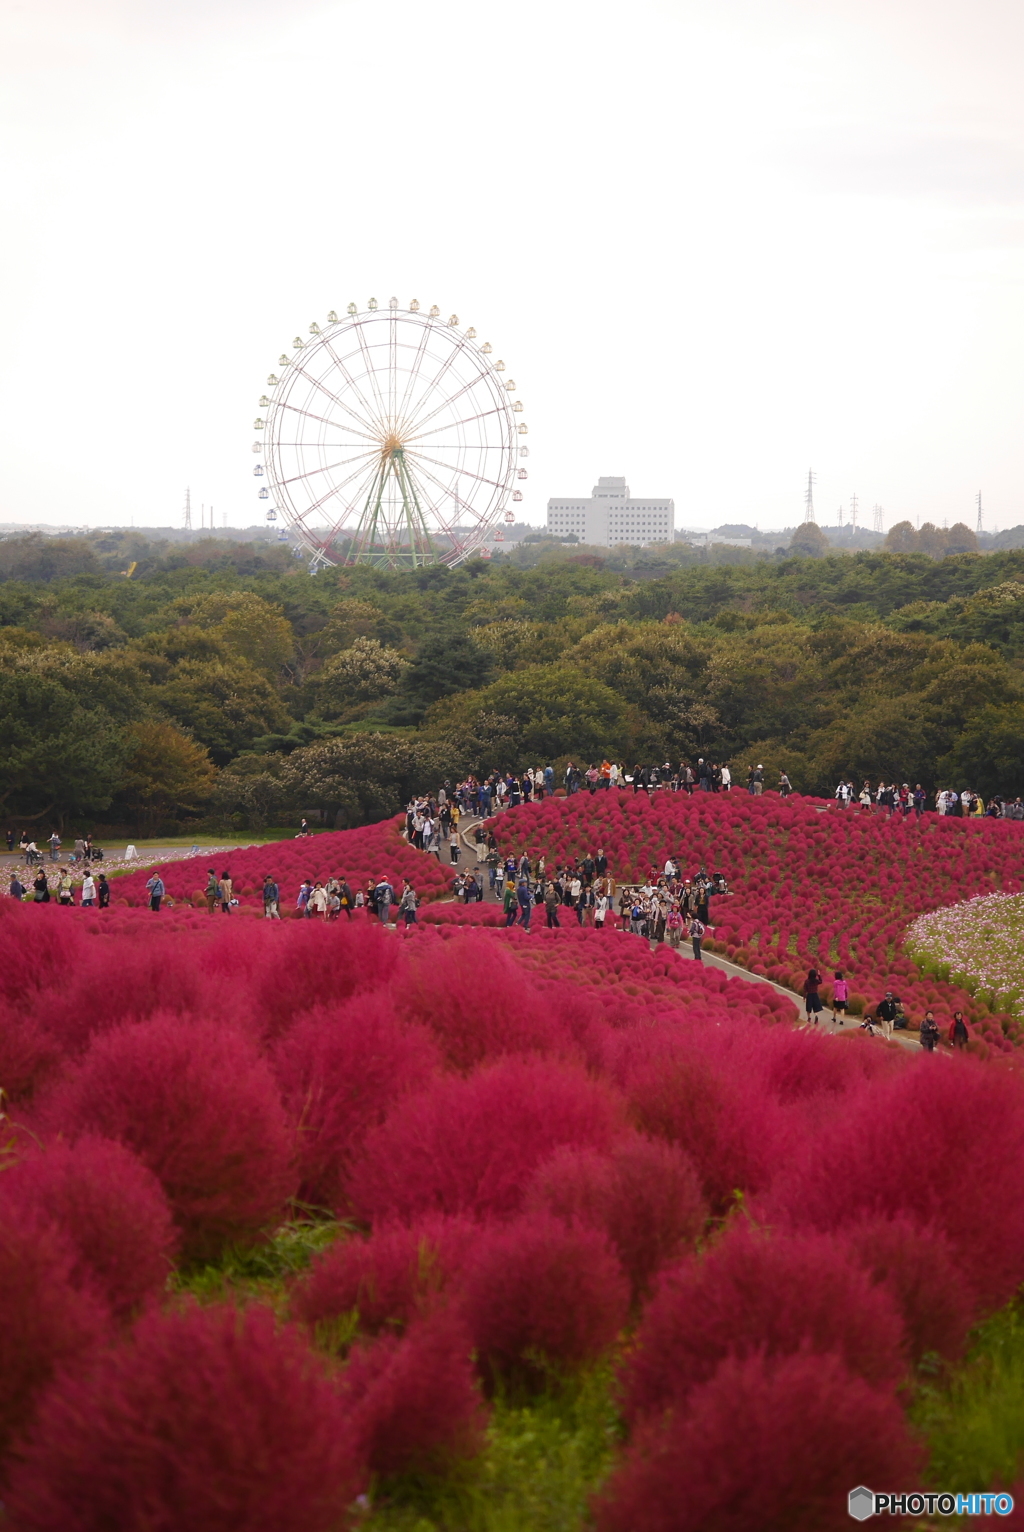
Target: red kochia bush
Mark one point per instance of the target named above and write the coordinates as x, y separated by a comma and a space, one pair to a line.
415, 1404
644, 1194
201, 1109
754, 1293
315, 964
46, 1321
775, 1445
391, 1277
470, 1146
210, 1419
340, 1070
473, 1022
966, 1124
538, 1288
112, 1210
916, 1267
712, 1107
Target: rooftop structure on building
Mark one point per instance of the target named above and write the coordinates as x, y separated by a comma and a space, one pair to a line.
610, 516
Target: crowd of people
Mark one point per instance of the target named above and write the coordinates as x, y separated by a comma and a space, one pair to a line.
894, 799
887, 1017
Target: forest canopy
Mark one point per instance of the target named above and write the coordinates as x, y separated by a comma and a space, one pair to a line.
221, 681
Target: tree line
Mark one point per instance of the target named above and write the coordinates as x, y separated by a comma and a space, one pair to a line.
220, 683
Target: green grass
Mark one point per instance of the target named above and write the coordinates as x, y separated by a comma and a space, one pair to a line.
539, 1468
974, 1420
260, 1271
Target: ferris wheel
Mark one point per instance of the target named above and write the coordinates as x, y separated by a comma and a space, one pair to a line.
390, 437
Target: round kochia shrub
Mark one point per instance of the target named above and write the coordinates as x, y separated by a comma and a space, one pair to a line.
46, 1320
917, 1268
201, 1109
415, 1404
541, 1292
754, 1293
470, 1146
772, 1444
644, 1194
965, 1121
388, 1279
340, 1069
209, 1419
111, 1209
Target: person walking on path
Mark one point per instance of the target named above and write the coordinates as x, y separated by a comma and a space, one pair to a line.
156, 892
888, 1010
384, 895
697, 932
812, 1000
509, 903
929, 1032
958, 1033
103, 890
212, 891
88, 891
271, 899
225, 892
524, 898
18, 889
407, 904
40, 888
54, 847
551, 903
840, 996
65, 889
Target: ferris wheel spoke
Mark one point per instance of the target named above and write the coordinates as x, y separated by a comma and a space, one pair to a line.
327, 421
371, 370
457, 351
450, 425
334, 398
466, 473
448, 493
447, 402
311, 473
335, 490
373, 419
414, 372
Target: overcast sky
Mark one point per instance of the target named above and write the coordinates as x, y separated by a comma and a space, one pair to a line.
717, 241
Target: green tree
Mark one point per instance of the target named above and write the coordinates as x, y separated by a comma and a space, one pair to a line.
446, 663
988, 755
559, 711
245, 625
902, 538
364, 777
166, 772
223, 706
809, 541
59, 757
365, 672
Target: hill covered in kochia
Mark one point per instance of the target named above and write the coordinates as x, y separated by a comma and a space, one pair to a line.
198, 684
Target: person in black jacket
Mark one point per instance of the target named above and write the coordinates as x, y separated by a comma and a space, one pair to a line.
887, 1011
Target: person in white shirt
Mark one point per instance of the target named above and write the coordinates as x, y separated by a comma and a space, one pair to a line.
88, 889
726, 779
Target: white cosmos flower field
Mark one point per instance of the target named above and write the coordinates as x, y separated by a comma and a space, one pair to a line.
979, 942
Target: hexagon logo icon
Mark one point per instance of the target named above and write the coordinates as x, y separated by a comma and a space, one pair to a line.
861, 1503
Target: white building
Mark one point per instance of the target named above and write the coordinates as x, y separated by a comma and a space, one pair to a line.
611, 516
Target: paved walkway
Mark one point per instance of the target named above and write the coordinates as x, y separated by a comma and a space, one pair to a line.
825, 1023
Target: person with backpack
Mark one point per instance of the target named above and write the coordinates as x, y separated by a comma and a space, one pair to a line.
408, 905
698, 930
812, 1000
156, 892
271, 899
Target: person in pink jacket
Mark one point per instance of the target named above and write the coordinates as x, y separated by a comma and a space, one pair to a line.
840, 996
